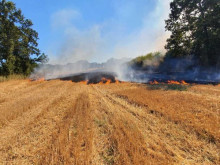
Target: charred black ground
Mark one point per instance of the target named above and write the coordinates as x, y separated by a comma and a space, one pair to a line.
189, 77
91, 77
144, 77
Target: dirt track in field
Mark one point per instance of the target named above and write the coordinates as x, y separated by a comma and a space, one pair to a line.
60, 122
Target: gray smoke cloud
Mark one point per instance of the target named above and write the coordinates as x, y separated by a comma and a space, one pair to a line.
103, 41
100, 42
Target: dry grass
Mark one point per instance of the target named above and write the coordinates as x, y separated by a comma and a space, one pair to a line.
191, 109
59, 122
12, 77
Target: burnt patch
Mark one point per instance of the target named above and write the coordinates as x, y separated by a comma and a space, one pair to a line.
91, 77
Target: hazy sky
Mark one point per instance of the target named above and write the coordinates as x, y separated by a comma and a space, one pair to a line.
96, 30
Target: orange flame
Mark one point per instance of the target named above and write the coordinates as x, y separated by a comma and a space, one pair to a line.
154, 82
103, 81
117, 82
182, 82
38, 79
84, 82
173, 82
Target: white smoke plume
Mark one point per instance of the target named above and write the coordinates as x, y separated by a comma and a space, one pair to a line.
100, 42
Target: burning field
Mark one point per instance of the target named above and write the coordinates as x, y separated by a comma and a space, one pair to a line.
89, 119
92, 78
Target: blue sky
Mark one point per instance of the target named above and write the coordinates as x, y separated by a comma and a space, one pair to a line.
96, 30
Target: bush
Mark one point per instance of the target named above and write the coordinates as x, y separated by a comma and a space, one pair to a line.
149, 59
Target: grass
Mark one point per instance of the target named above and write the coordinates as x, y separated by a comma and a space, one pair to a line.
177, 87
99, 123
12, 77
109, 155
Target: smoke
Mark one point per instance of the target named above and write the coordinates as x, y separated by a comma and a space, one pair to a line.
101, 41
150, 37
110, 38
77, 45
182, 68
113, 41
64, 18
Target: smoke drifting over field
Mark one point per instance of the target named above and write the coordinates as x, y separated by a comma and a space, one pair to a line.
104, 40
111, 38
107, 41
186, 69
49, 71
178, 69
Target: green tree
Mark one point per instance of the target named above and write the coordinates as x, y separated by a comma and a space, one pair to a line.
195, 29
19, 53
149, 60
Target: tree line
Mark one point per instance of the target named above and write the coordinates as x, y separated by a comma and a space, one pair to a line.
194, 27
19, 53
195, 30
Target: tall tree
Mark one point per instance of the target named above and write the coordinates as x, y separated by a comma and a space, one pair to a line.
19, 52
195, 29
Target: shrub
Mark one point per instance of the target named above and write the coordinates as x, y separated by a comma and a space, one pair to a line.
149, 59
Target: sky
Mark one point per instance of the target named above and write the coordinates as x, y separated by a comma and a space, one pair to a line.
97, 30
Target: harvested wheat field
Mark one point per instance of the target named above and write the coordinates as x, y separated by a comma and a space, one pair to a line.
61, 122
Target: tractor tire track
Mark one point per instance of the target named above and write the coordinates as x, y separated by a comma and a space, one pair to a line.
32, 124
71, 141
60, 122
146, 130
126, 142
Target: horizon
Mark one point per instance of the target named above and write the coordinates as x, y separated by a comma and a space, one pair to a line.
71, 31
